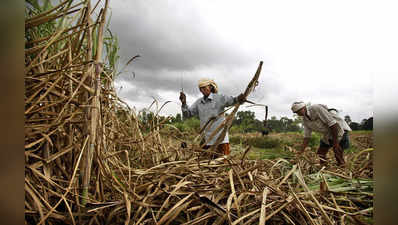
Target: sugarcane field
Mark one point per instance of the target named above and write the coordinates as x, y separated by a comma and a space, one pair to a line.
93, 158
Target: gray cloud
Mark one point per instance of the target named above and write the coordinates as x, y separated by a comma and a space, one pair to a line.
170, 36
177, 45
176, 48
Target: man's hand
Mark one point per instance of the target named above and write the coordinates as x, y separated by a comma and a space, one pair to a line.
241, 98
303, 146
183, 98
338, 152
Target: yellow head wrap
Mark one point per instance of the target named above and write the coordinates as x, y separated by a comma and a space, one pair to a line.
205, 81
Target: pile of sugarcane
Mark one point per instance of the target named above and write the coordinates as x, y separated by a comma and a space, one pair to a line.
235, 190
88, 159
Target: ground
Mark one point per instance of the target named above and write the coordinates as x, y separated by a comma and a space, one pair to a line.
359, 140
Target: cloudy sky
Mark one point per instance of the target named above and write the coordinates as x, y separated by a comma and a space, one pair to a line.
330, 52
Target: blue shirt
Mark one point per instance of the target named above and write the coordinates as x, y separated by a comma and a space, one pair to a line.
206, 108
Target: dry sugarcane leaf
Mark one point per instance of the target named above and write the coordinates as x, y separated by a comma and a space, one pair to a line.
263, 207
287, 176
128, 208
174, 209
301, 180
245, 216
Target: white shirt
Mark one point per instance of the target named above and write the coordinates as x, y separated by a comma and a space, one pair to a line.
320, 119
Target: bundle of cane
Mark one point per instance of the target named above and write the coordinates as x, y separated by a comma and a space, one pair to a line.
228, 121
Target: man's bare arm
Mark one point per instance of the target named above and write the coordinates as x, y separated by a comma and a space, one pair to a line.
305, 144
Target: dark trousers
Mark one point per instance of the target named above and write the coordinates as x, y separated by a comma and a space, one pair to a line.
338, 154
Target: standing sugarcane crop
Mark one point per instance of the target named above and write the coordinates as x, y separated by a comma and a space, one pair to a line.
210, 107
320, 118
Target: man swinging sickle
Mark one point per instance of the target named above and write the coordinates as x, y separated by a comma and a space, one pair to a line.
211, 105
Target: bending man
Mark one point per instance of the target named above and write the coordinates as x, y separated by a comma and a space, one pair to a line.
335, 130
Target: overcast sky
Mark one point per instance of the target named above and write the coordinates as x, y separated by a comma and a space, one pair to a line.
329, 52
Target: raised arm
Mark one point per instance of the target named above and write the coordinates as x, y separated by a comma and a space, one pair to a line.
230, 100
187, 111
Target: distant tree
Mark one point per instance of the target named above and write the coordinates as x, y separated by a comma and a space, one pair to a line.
177, 118
245, 121
258, 125
245, 117
284, 124
354, 126
370, 121
274, 124
368, 124
297, 122
362, 124
289, 125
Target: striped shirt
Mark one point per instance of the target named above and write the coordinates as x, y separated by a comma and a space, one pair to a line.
205, 109
320, 120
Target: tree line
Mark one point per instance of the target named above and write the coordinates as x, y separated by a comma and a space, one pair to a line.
246, 122
365, 124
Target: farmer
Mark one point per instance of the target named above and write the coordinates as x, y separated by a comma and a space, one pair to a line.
335, 130
210, 107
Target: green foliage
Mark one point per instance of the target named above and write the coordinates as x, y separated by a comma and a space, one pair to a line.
284, 124
193, 123
265, 142
111, 45
354, 126
351, 149
47, 29
244, 117
236, 140
314, 140
245, 122
235, 130
176, 119
32, 9
259, 142
295, 139
366, 124
181, 126
270, 154
188, 125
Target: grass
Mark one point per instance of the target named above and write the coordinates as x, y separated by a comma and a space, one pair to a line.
351, 149
255, 141
269, 153
273, 146
262, 148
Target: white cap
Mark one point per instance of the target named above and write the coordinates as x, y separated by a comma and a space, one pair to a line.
296, 106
